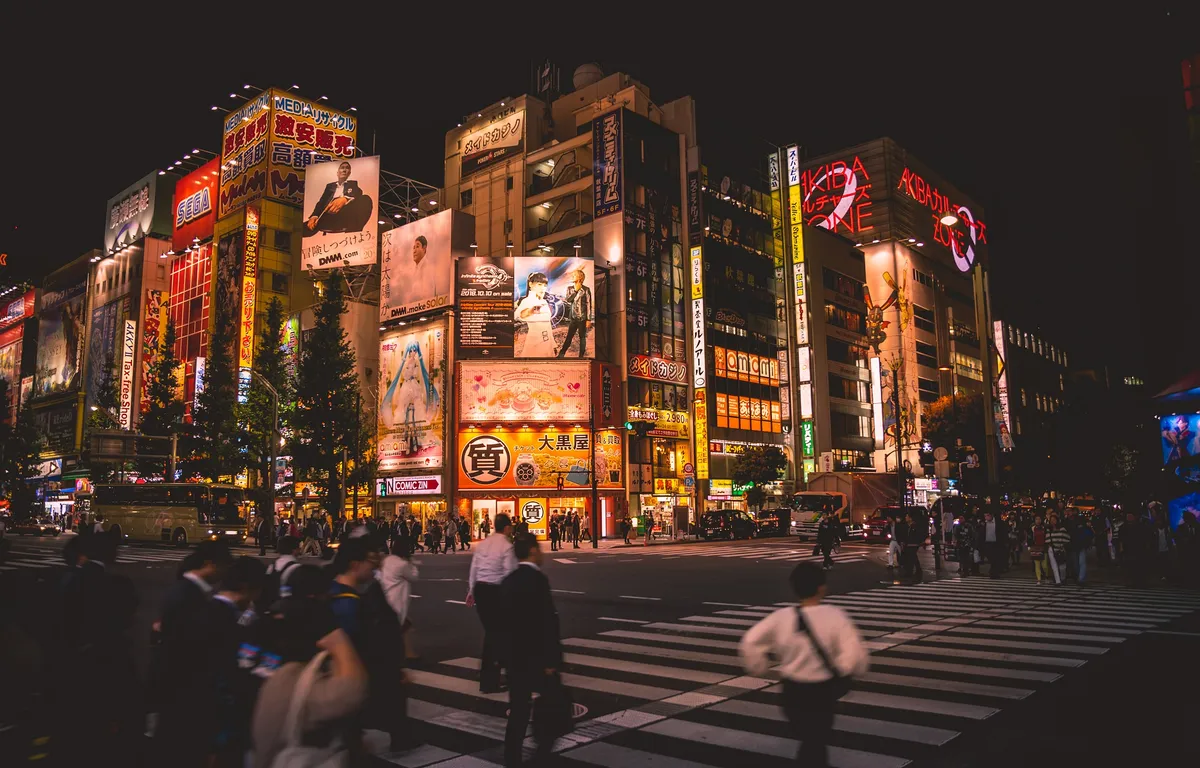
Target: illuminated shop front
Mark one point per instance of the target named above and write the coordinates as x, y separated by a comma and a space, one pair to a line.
422, 497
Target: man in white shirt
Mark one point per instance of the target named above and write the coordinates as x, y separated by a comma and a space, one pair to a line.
817, 646
534, 311
492, 560
342, 207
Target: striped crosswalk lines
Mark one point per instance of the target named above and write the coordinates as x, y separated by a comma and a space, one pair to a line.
24, 555
781, 551
948, 657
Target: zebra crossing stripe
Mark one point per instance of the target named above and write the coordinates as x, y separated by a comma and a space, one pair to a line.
919, 734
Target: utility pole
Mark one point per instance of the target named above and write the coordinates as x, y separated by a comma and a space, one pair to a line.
595, 493
357, 443
899, 432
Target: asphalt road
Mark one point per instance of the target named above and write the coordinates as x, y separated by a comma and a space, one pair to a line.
965, 672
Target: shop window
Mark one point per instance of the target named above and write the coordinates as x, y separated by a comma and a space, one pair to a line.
464, 198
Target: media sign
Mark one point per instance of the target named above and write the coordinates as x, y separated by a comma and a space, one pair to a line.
484, 292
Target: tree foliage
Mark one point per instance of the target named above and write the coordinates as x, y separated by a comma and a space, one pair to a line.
101, 416
164, 415
215, 424
326, 418
258, 412
21, 444
953, 417
758, 465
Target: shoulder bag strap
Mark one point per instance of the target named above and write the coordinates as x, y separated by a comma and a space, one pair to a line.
816, 645
293, 727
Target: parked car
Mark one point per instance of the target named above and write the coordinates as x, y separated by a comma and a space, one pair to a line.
727, 524
773, 522
35, 528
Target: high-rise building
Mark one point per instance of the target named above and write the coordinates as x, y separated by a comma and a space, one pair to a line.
925, 245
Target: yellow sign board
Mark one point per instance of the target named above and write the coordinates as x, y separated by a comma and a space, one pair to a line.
666, 423
701, 422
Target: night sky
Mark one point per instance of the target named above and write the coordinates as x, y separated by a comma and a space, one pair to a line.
1068, 130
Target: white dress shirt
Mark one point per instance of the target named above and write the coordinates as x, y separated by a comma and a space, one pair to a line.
396, 575
779, 634
491, 560
339, 190
205, 587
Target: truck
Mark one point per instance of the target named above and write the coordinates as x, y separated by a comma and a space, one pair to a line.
854, 497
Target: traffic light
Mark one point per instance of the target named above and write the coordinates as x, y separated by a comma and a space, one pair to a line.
639, 428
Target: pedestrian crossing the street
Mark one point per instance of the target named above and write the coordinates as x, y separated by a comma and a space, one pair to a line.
946, 657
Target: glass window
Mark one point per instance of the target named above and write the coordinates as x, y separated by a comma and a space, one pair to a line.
923, 318
848, 389
844, 318
847, 354
927, 354
464, 197
928, 390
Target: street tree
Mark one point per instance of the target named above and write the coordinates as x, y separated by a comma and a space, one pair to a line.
218, 445
21, 444
164, 416
326, 421
755, 468
258, 412
102, 416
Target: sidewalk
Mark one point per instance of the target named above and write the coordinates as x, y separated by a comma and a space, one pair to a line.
1108, 575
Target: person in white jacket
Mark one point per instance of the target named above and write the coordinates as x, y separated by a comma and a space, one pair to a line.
396, 574
817, 648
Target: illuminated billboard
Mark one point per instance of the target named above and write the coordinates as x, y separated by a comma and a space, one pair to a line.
538, 458
607, 181
553, 307
125, 393
341, 221
411, 424
484, 295
518, 392
249, 289
195, 205
501, 139
417, 263
268, 143
143, 208
154, 328
1180, 436
60, 340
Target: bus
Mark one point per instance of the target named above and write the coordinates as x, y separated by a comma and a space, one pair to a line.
179, 513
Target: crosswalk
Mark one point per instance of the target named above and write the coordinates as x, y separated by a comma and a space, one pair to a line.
29, 555
946, 657
775, 551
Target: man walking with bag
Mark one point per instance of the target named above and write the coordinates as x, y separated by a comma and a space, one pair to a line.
535, 656
492, 561
818, 649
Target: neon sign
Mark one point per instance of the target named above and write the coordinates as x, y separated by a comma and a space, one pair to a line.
837, 196
960, 240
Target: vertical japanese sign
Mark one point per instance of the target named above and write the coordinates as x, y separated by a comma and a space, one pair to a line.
154, 326
128, 352
807, 442
699, 364
606, 163
244, 154
877, 402
700, 420
249, 285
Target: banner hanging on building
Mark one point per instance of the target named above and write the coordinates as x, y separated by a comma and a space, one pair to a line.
128, 351
60, 340
417, 263
249, 290
554, 309
500, 140
607, 172
154, 328
341, 220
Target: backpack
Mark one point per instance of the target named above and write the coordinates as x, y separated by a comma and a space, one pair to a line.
296, 754
273, 586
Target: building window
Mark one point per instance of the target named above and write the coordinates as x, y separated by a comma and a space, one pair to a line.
848, 389
846, 354
283, 240
464, 198
923, 318
927, 354
836, 281
849, 425
279, 282
844, 318
922, 278
1017, 423
508, 183
968, 367
1023, 400
1012, 335
1061, 387
928, 390
844, 461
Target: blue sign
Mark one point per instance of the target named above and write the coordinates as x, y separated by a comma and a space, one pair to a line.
689, 482
606, 164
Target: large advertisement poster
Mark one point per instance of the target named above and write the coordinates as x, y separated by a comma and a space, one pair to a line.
10, 359
60, 340
538, 458
140, 209
229, 274
484, 291
244, 153
154, 328
195, 205
554, 309
411, 426
341, 223
513, 391
57, 426
417, 266
1180, 436
102, 348
502, 139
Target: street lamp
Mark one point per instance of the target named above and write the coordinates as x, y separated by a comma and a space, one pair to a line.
274, 443
949, 218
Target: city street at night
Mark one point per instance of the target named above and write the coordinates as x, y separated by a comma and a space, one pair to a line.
963, 672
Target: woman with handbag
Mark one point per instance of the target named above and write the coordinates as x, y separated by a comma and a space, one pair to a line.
818, 649
1037, 549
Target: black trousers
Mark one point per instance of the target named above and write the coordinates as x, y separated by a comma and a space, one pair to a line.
520, 698
488, 603
352, 218
580, 327
809, 709
827, 550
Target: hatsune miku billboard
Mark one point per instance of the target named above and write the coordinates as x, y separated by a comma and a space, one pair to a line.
412, 414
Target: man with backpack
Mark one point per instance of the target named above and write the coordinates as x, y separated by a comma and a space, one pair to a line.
275, 585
